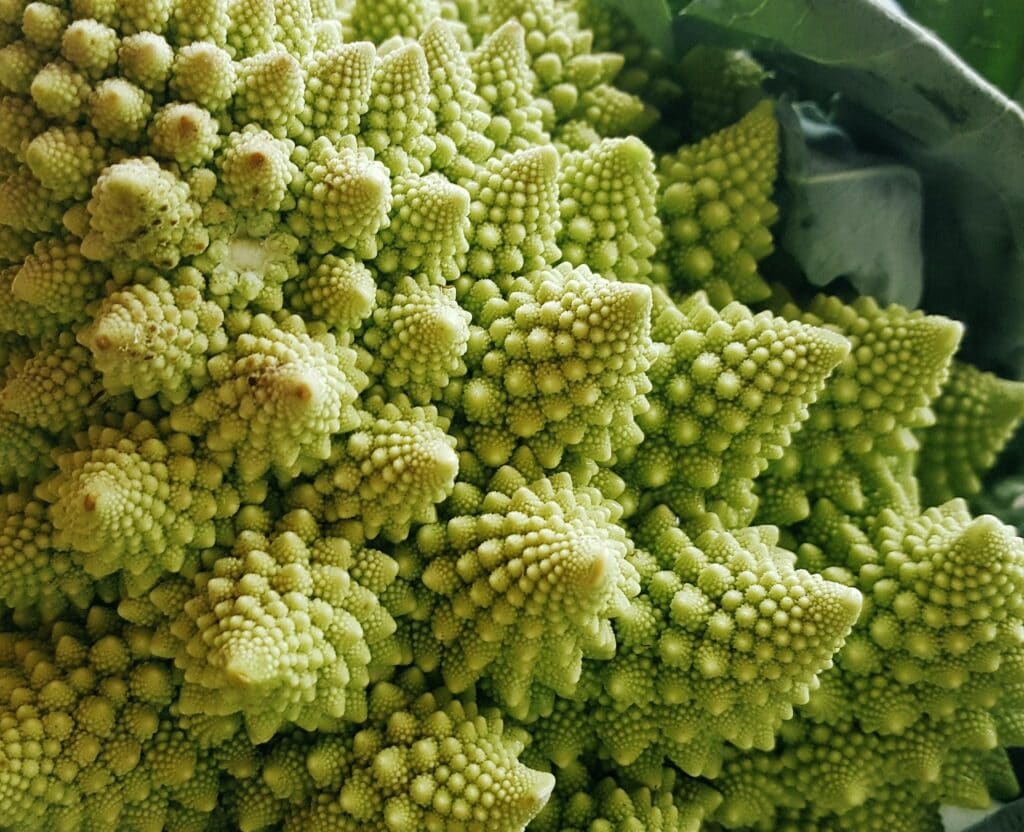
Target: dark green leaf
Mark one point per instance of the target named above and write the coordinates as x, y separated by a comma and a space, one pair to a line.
849, 214
652, 19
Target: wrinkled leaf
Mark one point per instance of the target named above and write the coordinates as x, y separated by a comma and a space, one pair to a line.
988, 34
849, 214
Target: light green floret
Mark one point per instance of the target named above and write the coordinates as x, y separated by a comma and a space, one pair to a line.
724, 639
118, 110
716, 206
377, 21
88, 743
24, 452
140, 212
20, 122
585, 802
340, 291
338, 85
153, 338
427, 230
19, 63
514, 213
944, 614
196, 20
277, 629
460, 115
205, 74
391, 472
525, 586
25, 205
90, 46
729, 388
60, 91
423, 761
36, 574
56, 389
145, 15
859, 432
251, 28
976, 414
65, 160
417, 336
183, 133
256, 171
398, 124
58, 281
146, 60
44, 24
136, 499
293, 26
278, 397
503, 78
559, 364
343, 197
19, 317
607, 200
270, 92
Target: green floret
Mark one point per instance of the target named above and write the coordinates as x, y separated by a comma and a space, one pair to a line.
278, 628
65, 160
975, 415
377, 21
278, 396
270, 92
418, 336
44, 24
729, 388
88, 741
343, 198
146, 60
340, 291
90, 46
35, 573
607, 201
422, 761
141, 212
399, 121
256, 170
118, 109
183, 133
724, 639
136, 499
501, 71
559, 365
525, 586
56, 389
859, 433
58, 281
513, 213
716, 206
338, 83
20, 121
60, 91
585, 802
25, 205
390, 473
205, 74
427, 229
460, 115
722, 85
196, 20
154, 338
25, 452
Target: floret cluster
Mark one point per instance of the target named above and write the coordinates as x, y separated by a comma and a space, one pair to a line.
391, 440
